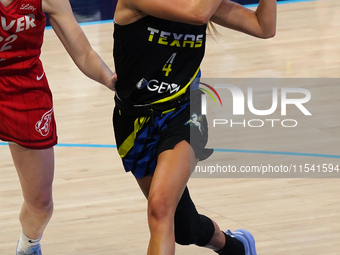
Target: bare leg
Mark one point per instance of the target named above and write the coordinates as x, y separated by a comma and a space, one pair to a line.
164, 190
35, 170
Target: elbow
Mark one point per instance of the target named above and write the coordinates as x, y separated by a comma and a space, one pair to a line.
202, 20
270, 33
268, 36
200, 17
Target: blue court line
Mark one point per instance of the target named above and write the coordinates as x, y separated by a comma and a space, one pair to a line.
282, 2
280, 153
89, 23
217, 150
86, 145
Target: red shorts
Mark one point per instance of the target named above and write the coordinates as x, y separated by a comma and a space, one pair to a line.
26, 109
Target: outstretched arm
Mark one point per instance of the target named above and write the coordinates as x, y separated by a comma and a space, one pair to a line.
75, 42
195, 12
260, 23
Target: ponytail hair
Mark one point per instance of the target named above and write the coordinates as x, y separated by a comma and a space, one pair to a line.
212, 30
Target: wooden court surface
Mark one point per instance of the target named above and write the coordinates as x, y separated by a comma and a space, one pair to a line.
99, 209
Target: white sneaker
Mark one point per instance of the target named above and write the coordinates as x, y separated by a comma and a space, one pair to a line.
35, 250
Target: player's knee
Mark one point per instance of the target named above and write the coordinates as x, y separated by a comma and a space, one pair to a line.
158, 209
40, 204
190, 229
207, 231
187, 228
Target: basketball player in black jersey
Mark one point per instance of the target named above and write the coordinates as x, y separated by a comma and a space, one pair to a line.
158, 49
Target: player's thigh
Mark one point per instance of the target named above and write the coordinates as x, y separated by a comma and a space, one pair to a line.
35, 169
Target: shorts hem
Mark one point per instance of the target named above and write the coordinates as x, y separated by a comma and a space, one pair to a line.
32, 146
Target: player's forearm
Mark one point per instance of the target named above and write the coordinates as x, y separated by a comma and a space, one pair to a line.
260, 23
94, 68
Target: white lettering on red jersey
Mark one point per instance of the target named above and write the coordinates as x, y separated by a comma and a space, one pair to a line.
22, 26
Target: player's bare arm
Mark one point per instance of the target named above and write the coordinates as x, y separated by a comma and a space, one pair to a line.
195, 12
75, 42
260, 23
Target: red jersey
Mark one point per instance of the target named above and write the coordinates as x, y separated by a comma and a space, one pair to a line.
26, 107
22, 26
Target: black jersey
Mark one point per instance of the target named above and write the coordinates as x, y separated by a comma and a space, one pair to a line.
156, 59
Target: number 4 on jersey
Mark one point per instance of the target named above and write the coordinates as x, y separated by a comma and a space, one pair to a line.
167, 67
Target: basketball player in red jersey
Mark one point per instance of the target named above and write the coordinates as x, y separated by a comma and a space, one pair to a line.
26, 109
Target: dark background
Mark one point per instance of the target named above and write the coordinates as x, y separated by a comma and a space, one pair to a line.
89, 10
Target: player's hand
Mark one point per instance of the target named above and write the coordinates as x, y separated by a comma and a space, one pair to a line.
113, 80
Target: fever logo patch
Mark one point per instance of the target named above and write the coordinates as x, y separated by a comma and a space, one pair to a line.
43, 125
